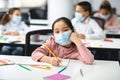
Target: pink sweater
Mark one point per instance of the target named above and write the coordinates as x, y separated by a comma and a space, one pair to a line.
74, 52
111, 23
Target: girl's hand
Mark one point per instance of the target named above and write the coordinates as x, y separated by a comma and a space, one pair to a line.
75, 38
82, 36
14, 33
6, 32
51, 60
10, 33
55, 62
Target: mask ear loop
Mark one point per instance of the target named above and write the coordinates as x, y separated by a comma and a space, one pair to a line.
70, 35
71, 32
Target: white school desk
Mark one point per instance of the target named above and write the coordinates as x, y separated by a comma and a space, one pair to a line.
100, 70
117, 32
112, 33
111, 45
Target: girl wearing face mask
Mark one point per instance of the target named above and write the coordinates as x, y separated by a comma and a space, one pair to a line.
65, 43
84, 24
12, 25
111, 20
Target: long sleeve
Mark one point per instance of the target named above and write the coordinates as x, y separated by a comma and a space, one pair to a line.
85, 55
24, 29
38, 53
2, 28
97, 32
41, 51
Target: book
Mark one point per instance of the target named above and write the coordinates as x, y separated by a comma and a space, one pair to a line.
5, 62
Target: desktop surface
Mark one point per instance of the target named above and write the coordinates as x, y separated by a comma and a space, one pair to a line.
99, 70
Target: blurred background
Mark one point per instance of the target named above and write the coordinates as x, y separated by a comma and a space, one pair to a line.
42, 9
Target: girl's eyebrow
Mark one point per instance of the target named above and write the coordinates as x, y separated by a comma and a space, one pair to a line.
56, 29
65, 27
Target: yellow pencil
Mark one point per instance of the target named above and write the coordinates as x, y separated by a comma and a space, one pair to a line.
53, 54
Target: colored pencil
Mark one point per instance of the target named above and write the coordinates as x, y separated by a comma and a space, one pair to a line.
24, 67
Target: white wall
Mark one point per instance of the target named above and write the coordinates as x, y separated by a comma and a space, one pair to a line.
3, 4
59, 8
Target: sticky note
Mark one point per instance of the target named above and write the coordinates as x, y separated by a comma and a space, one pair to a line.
5, 62
57, 77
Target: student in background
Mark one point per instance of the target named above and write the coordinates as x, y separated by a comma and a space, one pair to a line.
111, 20
84, 25
65, 43
105, 12
12, 25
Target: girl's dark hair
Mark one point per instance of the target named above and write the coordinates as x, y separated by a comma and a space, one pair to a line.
106, 5
86, 6
66, 20
6, 17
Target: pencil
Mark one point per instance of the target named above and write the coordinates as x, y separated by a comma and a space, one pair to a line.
81, 72
24, 67
62, 69
42, 67
53, 54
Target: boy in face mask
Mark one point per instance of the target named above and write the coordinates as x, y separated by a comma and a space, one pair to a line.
84, 25
65, 43
112, 21
12, 25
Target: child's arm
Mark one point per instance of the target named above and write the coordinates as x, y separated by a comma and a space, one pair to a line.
75, 39
85, 55
10, 33
40, 54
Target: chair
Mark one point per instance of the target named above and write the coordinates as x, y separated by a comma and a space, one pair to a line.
30, 47
1, 14
26, 18
100, 21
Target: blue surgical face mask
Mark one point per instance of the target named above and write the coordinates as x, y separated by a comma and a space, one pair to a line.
79, 17
105, 17
17, 19
63, 38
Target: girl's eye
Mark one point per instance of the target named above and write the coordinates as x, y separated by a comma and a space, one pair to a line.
66, 30
56, 31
